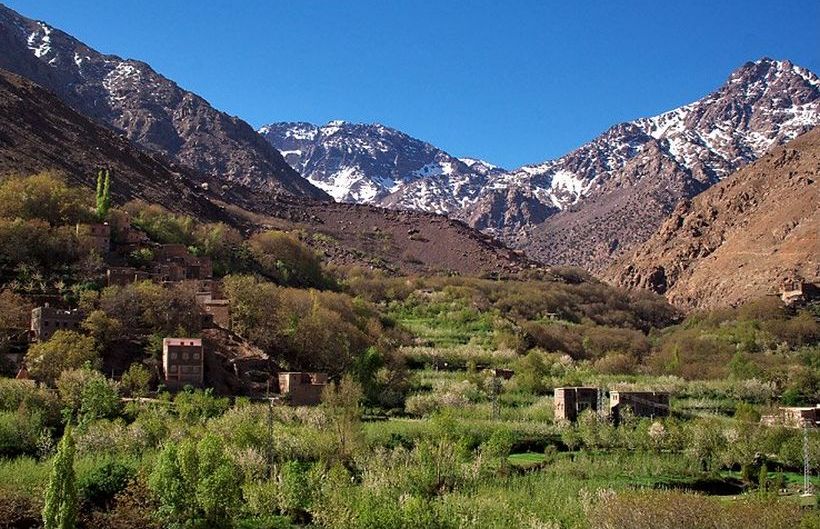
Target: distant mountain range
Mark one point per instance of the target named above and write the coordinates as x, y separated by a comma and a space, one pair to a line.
587, 207
600, 206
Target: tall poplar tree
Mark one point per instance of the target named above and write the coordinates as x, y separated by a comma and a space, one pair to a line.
60, 509
103, 193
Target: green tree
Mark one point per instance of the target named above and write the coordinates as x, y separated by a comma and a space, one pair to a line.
135, 380
103, 194
60, 509
196, 482
88, 395
65, 350
342, 404
46, 197
102, 327
286, 259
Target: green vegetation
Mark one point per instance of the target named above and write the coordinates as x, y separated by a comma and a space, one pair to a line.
415, 429
60, 509
103, 194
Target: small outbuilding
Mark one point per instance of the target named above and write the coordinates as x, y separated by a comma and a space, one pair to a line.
641, 403
571, 401
302, 389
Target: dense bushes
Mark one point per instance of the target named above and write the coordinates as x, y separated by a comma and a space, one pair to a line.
45, 197
305, 329
680, 510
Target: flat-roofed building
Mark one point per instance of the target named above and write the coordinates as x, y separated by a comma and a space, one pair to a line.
571, 401
219, 311
302, 389
47, 320
183, 362
124, 275
794, 417
176, 263
641, 403
95, 236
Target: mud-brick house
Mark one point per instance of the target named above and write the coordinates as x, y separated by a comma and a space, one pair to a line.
95, 237
569, 402
794, 417
640, 403
799, 293
47, 320
176, 263
219, 310
302, 389
124, 275
183, 362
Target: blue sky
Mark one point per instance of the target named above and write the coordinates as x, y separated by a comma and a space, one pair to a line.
511, 82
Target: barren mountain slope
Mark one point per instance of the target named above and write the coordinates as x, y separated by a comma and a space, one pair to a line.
149, 108
38, 132
587, 207
742, 238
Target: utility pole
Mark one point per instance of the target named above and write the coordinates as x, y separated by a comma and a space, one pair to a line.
270, 432
806, 481
495, 388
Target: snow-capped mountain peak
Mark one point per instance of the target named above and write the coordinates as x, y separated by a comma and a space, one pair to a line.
654, 160
375, 164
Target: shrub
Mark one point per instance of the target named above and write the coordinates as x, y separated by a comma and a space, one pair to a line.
196, 482
104, 482
44, 196
286, 260
678, 510
64, 350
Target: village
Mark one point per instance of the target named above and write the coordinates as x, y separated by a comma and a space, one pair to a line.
183, 362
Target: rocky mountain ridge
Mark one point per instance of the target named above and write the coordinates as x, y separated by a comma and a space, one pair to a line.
587, 207
746, 237
148, 108
374, 164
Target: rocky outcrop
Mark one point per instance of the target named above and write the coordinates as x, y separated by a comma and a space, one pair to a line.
743, 238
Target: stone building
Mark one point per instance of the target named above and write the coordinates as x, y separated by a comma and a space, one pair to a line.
641, 403
176, 263
183, 362
794, 417
571, 401
302, 389
47, 320
220, 312
799, 293
124, 275
95, 237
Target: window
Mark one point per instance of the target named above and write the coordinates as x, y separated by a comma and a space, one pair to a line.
185, 355
196, 356
172, 356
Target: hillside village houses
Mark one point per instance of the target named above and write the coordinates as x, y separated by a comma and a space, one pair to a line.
570, 402
47, 320
183, 358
